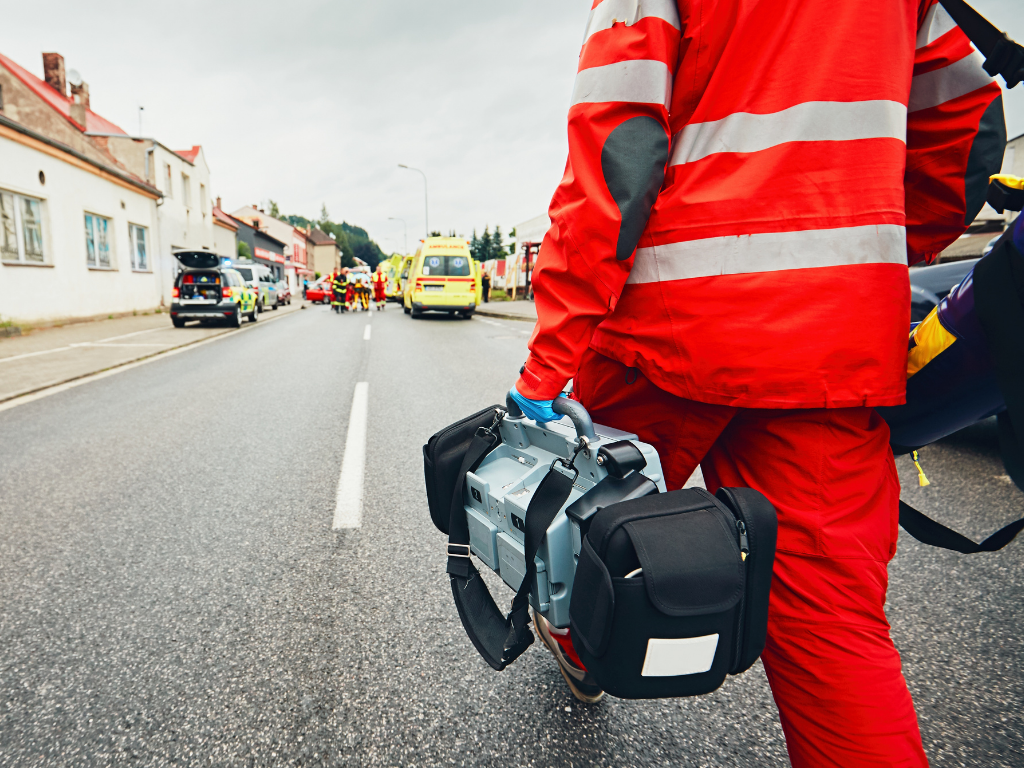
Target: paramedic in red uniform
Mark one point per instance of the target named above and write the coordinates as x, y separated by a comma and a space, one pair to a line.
380, 282
726, 276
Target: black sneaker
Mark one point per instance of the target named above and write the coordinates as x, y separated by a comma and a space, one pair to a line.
580, 682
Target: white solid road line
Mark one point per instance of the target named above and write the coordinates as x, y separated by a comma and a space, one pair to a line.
348, 510
366, 333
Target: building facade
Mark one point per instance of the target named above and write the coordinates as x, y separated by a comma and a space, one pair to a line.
78, 231
294, 239
324, 252
265, 250
53, 109
225, 234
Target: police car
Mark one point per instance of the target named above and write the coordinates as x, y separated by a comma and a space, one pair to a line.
206, 291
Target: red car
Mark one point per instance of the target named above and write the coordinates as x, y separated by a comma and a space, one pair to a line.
320, 291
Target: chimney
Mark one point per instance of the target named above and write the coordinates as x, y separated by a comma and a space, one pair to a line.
218, 203
53, 73
80, 94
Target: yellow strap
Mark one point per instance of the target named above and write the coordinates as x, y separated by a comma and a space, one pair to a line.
921, 479
929, 339
1013, 182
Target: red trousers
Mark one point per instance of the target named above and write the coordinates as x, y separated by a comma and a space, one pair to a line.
833, 669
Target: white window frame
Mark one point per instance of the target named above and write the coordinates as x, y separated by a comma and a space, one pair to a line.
112, 264
20, 257
133, 233
186, 190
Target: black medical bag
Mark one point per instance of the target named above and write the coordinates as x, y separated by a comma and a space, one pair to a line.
671, 591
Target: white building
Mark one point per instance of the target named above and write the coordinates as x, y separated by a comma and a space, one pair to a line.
186, 221
77, 230
56, 133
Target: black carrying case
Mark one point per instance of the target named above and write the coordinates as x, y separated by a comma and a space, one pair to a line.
696, 611
442, 460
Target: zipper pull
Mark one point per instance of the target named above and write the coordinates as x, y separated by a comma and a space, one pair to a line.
922, 481
744, 542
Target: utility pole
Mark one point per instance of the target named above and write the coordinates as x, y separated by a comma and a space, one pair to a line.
405, 231
426, 205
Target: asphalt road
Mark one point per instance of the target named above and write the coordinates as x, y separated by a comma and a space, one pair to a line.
172, 592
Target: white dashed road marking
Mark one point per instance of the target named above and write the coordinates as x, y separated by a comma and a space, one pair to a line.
366, 332
348, 510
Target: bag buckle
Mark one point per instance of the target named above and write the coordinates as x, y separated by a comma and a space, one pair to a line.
582, 445
458, 554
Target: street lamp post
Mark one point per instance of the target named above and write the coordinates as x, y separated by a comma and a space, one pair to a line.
426, 205
405, 233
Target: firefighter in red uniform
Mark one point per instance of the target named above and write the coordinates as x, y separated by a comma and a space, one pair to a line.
380, 282
726, 276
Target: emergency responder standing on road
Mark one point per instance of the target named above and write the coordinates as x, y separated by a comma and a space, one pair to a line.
726, 276
338, 290
380, 283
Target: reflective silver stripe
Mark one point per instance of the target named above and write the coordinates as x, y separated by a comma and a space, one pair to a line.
811, 121
629, 11
641, 81
942, 85
936, 23
771, 252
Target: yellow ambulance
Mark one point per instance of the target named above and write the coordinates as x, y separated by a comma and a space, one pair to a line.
442, 276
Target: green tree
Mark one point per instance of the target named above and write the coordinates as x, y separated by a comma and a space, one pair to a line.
325, 217
497, 244
244, 252
274, 210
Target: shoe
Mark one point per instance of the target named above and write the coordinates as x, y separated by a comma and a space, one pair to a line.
580, 682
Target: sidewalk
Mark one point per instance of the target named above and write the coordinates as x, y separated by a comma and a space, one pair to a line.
52, 356
509, 310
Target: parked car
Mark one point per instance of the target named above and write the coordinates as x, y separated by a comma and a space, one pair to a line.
284, 294
259, 276
207, 291
930, 285
320, 291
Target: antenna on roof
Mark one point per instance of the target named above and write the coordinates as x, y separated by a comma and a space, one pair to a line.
74, 78
140, 120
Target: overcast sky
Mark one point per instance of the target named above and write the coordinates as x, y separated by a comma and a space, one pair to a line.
312, 102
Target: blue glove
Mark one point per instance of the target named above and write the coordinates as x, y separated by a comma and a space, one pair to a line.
1018, 233
538, 410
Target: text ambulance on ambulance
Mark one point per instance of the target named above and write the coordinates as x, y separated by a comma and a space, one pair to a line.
443, 277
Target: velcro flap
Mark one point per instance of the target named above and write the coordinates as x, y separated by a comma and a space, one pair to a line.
691, 562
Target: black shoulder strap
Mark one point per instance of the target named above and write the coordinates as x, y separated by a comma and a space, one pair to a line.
998, 281
1003, 56
927, 531
500, 639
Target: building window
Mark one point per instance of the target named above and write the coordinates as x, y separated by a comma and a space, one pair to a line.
97, 241
170, 187
21, 229
140, 260
186, 191
202, 198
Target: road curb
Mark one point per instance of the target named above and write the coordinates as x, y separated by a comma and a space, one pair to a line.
7, 402
505, 316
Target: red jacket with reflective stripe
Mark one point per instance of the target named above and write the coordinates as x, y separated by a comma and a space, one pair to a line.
747, 181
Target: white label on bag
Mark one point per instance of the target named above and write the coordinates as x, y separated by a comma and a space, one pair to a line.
668, 657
